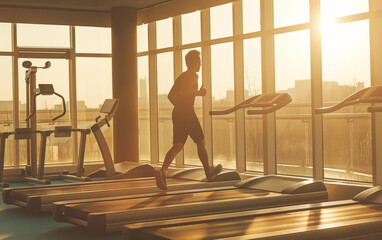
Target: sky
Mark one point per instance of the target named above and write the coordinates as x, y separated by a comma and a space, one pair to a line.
345, 49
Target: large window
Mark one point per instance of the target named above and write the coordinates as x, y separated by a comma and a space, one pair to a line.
144, 113
251, 16
93, 40
6, 107
143, 37
223, 126
293, 134
191, 30
290, 12
164, 33
221, 21
5, 37
94, 85
165, 81
33, 35
345, 70
252, 87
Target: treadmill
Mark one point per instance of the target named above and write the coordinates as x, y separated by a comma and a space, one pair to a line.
110, 214
359, 218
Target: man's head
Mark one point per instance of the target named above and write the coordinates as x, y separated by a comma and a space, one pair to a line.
193, 60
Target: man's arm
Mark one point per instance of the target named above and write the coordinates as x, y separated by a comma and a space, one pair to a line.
172, 95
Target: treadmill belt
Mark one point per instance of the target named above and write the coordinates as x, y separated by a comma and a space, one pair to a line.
81, 210
23, 193
268, 225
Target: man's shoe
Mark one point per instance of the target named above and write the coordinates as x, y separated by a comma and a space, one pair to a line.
160, 179
214, 172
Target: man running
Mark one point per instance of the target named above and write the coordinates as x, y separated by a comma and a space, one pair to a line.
185, 122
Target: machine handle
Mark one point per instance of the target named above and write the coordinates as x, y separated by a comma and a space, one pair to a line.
55, 118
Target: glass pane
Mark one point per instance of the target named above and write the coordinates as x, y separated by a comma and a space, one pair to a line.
251, 16
165, 71
143, 38
221, 21
144, 108
223, 126
191, 30
331, 9
58, 150
290, 12
293, 123
33, 35
190, 151
94, 85
252, 87
164, 33
5, 37
345, 70
93, 40
6, 108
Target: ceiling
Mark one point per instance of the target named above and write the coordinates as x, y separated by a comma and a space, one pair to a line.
103, 5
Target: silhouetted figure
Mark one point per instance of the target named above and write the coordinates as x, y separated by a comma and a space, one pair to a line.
185, 122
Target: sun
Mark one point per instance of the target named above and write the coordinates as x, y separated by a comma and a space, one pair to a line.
334, 35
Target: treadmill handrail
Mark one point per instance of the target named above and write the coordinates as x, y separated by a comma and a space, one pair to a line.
278, 101
374, 109
285, 100
362, 96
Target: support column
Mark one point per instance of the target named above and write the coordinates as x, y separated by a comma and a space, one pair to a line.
268, 85
125, 83
375, 8
239, 85
316, 86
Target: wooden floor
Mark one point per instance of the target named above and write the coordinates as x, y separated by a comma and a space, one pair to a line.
16, 224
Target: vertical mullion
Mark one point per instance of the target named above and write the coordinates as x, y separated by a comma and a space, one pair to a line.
16, 113
177, 40
239, 84
206, 67
375, 8
153, 96
73, 92
316, 89
268, 84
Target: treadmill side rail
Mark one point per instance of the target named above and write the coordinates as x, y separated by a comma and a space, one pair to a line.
371, 195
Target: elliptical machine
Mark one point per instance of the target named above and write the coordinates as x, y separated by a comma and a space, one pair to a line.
35, 169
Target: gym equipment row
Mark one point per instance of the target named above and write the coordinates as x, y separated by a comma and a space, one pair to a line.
40, 198
359, 218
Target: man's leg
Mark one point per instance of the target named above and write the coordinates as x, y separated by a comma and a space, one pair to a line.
211, 172
171, 154
161, 174
203, 156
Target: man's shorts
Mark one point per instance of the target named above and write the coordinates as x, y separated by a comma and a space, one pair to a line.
184, 124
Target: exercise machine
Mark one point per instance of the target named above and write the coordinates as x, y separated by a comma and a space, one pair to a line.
35, 171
